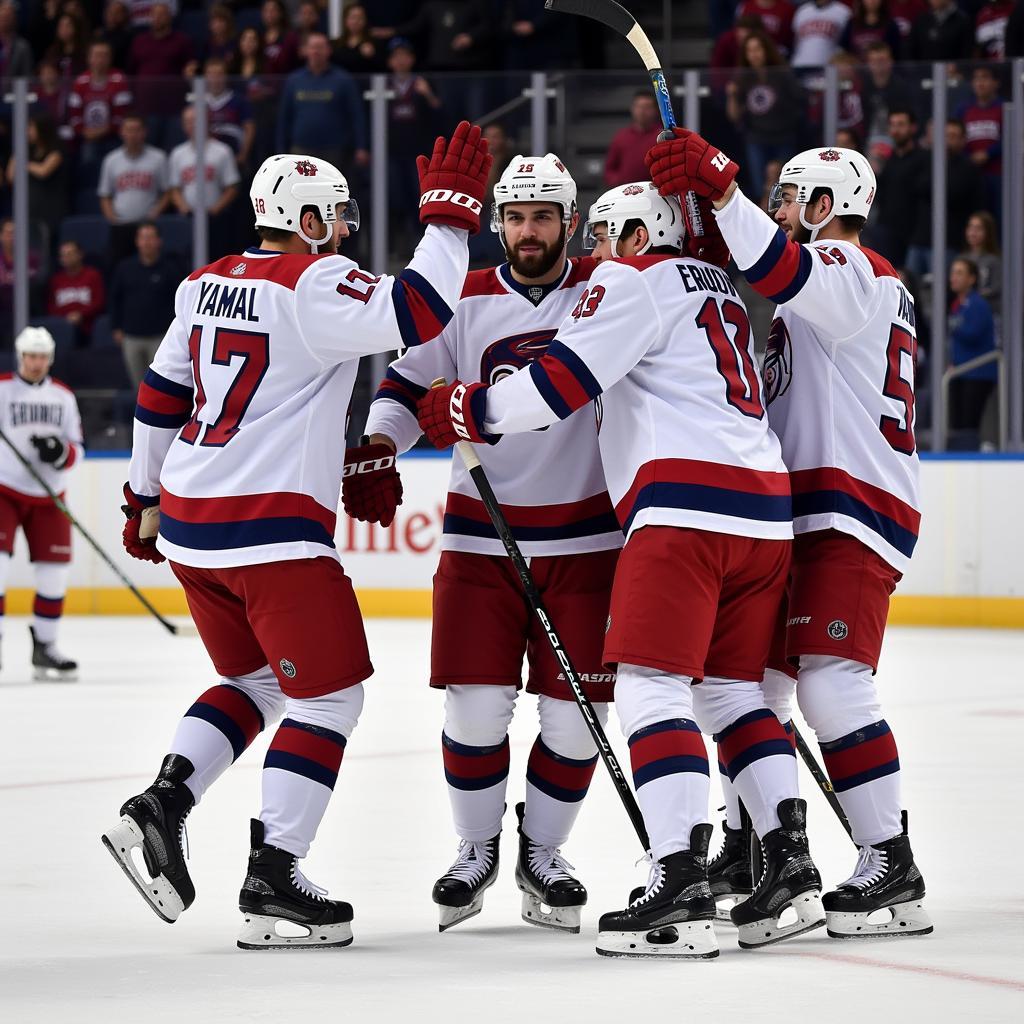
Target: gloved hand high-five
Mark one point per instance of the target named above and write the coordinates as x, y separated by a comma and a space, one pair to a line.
454, 413
704, 239
453, 179
371, 489
689, 163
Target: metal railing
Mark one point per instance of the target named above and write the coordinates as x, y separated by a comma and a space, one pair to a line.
962, 369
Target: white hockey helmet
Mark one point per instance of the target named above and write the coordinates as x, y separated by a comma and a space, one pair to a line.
287, 182
844, 172
534, 179
35, 341
661, 215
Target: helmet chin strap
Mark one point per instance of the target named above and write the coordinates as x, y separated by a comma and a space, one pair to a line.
314, 244
815, 228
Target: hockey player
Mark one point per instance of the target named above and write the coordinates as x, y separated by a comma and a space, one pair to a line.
703, 497
840, 380
237, 435
39, 416
552, 488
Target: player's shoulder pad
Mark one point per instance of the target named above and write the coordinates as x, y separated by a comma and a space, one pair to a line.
581, 270
6, 376
284, 268
482, 282
57, 383
642, 263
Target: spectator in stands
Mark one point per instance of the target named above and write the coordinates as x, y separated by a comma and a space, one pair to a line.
990, 29
117, 30
8, 272
355, 49
280, 43
221, 41
15, 53
47, 175
533, 38
625, 159
1013, 40
765, 102
142, 300
983, 119
972, 333
229, 115
982, 247
817, 29
133, 186
501, 150
160, 56
965, 188
142, 11
776, 19
221, 183
42, 24
76, 292
485, 248
725, 57
850, 115
308, 19
97, 104
68, 49
321, 111
52, 98
943, 33
456, 34
902, 204
259, 90
846, 138
905, 13
871, 23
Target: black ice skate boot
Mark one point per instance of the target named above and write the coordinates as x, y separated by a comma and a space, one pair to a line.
542, 874
275, 892
154, 822
788, 879
886, 879
674, 917
729, 873
459, 892
49, 665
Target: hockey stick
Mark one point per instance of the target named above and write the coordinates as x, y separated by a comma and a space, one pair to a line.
61, 507
819, 776
483, 485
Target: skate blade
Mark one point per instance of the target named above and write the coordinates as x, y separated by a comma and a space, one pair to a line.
263, 932
158, 892
905, 919
451, 916
725, 902
562, 919
810, 914
687, 940
52, 675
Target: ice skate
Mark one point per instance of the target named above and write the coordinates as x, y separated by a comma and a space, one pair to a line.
729, 874
552, 898
884, 897
284, 910
459, 892
674, 917
788, 879
49, 665
154, 824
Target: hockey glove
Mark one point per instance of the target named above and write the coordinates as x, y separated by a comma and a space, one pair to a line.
689, 162
454, 413
136, 515
453, 180
704, 239
52, 451
371, 489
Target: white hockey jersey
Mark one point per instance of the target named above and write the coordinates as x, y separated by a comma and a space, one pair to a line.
664, 344
36, 410
240, 423
550, 484
839, 372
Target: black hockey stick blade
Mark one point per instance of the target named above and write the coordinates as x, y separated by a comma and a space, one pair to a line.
608, 12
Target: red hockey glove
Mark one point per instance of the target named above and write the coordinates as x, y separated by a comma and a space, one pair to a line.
454, 413
143, 548
704, 240
453, 180
371, 489
687, 163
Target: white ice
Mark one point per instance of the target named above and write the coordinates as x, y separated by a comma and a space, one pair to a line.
77, 943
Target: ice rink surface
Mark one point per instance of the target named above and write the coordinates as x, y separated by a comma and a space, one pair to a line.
79, 945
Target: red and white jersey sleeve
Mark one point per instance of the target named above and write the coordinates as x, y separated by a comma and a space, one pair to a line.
839, 371
550, 483
46, 409
240, 422
664, 346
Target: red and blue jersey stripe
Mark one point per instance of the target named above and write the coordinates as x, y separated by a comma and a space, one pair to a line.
707, 487
564, 380
307, 750
421, 312
472, 768
781, 271
830, 490
48, 607
557, 776
400, 389
861, 757
232, 712
249, 520
162, 403
755, 735
667, 748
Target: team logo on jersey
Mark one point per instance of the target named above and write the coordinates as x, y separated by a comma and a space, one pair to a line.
536, 293
504, 357
239, 270
778, 361
306, 168
838, 630
288, 668
633, 190
830, 155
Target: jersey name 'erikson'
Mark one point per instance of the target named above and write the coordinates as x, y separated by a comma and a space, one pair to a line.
229, 301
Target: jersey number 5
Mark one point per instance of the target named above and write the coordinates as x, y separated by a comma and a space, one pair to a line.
735, 361
899, 430
228, 345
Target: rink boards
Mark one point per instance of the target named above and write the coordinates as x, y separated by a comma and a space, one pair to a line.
968, 569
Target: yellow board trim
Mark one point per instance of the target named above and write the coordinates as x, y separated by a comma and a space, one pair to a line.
905, 610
